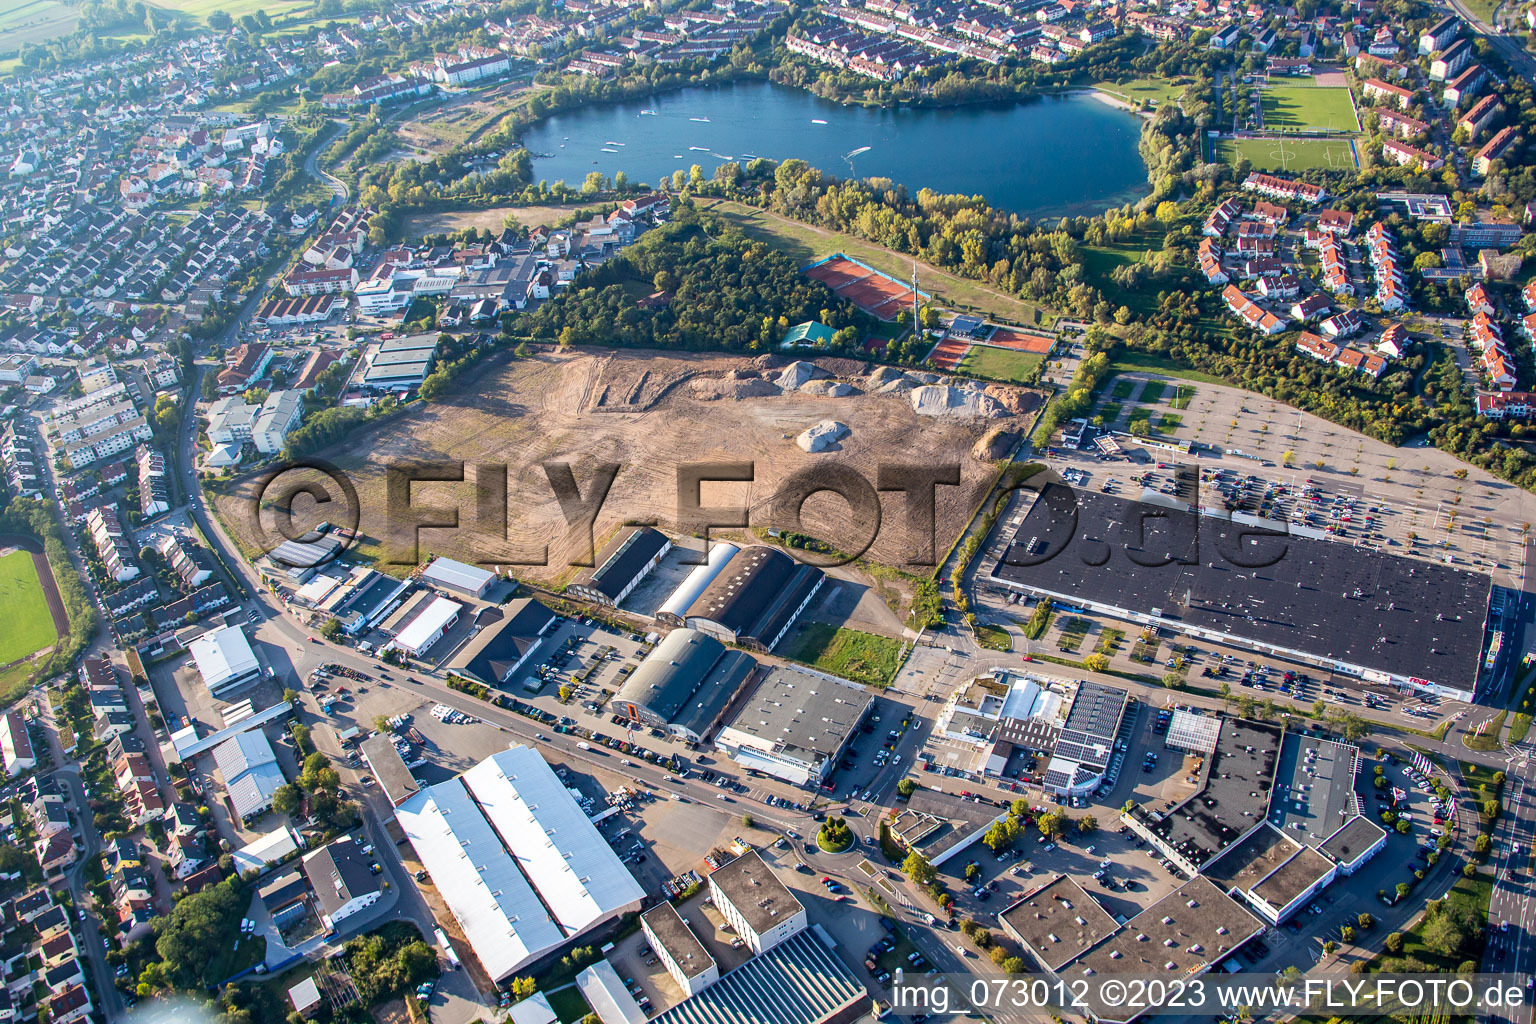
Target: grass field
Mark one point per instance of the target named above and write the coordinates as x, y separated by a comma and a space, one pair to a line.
1099, 261
1304, 105
1144, 362
33, 21
808, 244
1288, 154
861, 657
200, 9
1151, 391
1000, 363
23, 609
1137, 90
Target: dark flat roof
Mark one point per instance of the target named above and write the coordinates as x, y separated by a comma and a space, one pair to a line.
1058, 922
1358, 835
1233, 795
684, 947
621, 560
1314, 788
1327, 600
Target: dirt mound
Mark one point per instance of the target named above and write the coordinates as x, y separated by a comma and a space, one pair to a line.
839, 366
1016, 400
965, 403
798, 373
711, 389
821, 436
995, 444
830, 388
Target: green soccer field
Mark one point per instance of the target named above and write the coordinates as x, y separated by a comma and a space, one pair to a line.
1289, 154
1308, 107
23, 609
1000, 363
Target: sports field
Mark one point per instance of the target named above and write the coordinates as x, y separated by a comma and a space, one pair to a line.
1000, 363
1301, 105
1137, 90
1288, 154
23, 609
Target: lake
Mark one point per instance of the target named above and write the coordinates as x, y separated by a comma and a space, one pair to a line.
1054, 156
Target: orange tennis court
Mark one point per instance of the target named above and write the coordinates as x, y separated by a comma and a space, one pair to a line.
1006, 337
877, 294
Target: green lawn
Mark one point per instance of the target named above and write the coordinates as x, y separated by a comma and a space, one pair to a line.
1302, 105
568, 1004
1000, 363
993, 638
1146, 362
1122, 389
1288, 154
861, 657
200, 9
1156, 90
1151, 391
1182, 396
1100, 261
23, 609
808, 244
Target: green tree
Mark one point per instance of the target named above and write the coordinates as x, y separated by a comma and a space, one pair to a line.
286, 799
1394, 943
917, 869
1087, 823
906, 787
523, 987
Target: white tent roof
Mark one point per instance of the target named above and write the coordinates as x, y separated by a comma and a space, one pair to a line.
575, 869
497, 908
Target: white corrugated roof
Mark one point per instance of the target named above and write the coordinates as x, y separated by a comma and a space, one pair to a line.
223, 655
457, 574
497, 908
426, 625
580, 877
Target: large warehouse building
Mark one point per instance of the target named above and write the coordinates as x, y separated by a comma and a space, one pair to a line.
621, 565
516, 860
675, 609
755, 598
796, 725
1351, 610
495, 654
224, 659
684, 684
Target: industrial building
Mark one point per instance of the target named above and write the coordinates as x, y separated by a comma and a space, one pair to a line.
755, 599
684, 685
621, 565
680, 951
674, 610
399, 363
801, 980
342, 882
458, 577
493, 655
421, 622
516, 860
795, 725
1354, 611
250, 771
224, 659
394, 778
754, 902
1073, 725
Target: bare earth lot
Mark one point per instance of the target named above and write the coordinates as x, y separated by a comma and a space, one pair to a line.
492, 218
650, 414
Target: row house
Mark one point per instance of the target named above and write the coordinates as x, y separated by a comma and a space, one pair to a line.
188, 562
1479, 301
1277, 187
107, 441
1386, 92
1336, 222
1481, 117
1216, 223
1342, 324
1210, 262
1495, 149
1506, 405
1405, 155
112, 544
1269, 215
154, 488
203, 601
1401, 124
1250, 313
126, 600
1310, 307
304, 280
1368, 363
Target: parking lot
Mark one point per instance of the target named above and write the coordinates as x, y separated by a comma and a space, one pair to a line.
1279, 463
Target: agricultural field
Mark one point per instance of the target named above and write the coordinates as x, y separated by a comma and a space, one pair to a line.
807, 244
33, 21
1000, 363
1301, 105
1281, 154
23, 609
200, 9
651, 413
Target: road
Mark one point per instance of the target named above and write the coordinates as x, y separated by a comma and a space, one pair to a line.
1512, 949
1508, 47
312, 167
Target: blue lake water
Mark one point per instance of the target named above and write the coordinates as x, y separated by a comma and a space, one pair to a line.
1055, 156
